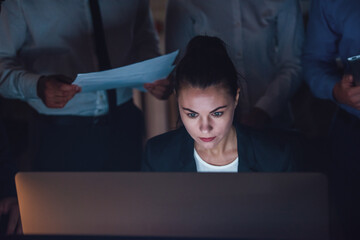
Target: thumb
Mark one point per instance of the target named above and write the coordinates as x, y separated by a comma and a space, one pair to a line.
348, 81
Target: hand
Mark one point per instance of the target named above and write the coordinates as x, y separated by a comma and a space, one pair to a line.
9, 206
257, 118
161, 89
346, 93
56, 90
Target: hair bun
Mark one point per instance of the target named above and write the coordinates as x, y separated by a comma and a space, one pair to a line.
205, 46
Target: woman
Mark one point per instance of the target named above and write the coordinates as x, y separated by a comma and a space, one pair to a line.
206, 88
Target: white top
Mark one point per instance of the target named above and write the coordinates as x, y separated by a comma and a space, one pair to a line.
202, 166
42, 37
264, 40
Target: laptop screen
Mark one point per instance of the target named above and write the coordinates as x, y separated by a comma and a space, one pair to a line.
218, 205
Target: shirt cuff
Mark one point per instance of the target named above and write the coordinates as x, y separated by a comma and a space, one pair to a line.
328, 87
267, 104
29, 85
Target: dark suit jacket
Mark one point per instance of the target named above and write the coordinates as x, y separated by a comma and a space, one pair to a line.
258, 152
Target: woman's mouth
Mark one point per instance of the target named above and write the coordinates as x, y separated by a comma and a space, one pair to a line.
207, 139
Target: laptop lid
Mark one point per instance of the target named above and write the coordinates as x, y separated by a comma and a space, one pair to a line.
229, 205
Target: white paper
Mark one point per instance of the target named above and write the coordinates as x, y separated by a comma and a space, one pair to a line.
134, 75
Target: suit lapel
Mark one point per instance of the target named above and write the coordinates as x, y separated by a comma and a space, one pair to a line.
187, 160
247, 162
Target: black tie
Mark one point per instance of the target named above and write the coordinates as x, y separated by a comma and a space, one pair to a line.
101, 49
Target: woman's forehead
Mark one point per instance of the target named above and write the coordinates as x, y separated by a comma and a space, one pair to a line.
210, 97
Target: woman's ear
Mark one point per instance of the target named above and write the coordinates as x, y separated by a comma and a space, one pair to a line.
237, 97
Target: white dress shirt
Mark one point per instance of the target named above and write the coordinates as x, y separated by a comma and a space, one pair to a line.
264, 40
42, 37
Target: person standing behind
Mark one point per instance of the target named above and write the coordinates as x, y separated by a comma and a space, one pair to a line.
333, 35
265, 43
44, 45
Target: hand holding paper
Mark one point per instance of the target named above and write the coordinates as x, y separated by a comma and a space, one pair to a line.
161, 89
134, 75
56, 90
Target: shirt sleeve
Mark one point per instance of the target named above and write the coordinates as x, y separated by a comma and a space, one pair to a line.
179, 27
290, 37
146, 41
15, 81
320, 53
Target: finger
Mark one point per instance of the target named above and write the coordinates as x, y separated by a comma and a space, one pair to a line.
354, 90
65, 94
60, 100
347, 81
355, 101
77, 88
68, 87
162, 82
13, 220
56, 104
62, 94
148, 86
159, 91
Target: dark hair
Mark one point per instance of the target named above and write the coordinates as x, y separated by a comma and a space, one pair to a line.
206, 63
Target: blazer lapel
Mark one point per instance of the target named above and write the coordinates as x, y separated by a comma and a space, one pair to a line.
187, 160
247, 162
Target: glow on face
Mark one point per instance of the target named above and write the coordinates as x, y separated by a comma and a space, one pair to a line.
207, 114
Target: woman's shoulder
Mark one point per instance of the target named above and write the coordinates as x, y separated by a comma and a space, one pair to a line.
162, 152
273, 149
168, 138
272, 137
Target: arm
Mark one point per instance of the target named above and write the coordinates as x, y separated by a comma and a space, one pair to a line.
290, 35
15, 81
320, 51
146, 41
178, 33
325, 79
146, 45
178, 27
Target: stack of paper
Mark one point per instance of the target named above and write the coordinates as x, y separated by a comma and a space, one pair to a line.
134, 75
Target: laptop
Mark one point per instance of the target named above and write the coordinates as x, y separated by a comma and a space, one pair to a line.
204, 205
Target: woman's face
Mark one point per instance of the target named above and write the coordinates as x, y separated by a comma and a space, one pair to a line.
207, 114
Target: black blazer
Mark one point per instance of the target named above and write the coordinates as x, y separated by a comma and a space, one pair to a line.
258, 152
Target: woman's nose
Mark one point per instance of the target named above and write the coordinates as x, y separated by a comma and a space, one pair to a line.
205, 126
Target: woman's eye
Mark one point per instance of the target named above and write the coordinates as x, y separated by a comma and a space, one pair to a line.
217, 114
192, 115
